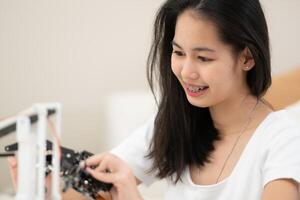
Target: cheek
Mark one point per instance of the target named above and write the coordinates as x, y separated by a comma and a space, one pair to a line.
175, 67
220, 76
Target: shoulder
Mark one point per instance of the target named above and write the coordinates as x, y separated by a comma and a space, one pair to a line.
281, 145
280, 132
279, 125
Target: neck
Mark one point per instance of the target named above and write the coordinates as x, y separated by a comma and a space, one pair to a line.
230, 116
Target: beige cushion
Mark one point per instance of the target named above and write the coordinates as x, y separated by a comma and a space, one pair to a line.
285, 89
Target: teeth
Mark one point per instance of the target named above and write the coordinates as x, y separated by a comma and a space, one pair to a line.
195, 88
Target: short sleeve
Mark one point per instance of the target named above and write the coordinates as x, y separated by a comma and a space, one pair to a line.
283, 156
134, 149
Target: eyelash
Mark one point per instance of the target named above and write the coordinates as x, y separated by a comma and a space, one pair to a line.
178, 53
203, 59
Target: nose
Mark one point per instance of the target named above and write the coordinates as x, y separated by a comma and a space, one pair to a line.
189, 70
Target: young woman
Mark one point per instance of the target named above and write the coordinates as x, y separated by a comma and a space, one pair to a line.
213, 137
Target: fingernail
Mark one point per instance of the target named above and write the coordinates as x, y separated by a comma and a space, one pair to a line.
82, 164
88, 169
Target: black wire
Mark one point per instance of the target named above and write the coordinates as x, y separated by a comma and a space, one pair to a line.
6, 155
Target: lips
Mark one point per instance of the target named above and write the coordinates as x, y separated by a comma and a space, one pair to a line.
196, 90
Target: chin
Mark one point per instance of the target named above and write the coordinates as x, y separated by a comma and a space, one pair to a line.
198, 103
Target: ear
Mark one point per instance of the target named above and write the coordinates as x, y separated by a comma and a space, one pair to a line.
247, 60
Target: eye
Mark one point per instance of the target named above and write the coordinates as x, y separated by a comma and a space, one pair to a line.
204, 59
178, 53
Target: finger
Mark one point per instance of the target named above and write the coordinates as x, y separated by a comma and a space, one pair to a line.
102, 176
12, 161
103, 166
94, 160
100, 198
105, 195
13, 164
48, 181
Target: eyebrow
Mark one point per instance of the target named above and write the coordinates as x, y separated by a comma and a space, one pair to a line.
194, 49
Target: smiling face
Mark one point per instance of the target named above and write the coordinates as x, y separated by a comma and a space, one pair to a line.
207, 68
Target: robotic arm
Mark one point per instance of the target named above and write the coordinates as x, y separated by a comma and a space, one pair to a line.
38, 157
72, 171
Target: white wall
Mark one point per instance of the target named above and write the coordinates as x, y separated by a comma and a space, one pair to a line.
80, 52
283, 19
77, 52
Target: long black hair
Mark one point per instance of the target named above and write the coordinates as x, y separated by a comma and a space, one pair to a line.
185, 134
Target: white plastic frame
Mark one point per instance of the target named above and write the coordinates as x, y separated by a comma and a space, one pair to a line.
31, 153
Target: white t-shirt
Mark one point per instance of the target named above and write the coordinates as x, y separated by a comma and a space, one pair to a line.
273, 152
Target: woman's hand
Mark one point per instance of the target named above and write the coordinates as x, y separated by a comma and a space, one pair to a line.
111, 169
13, 170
